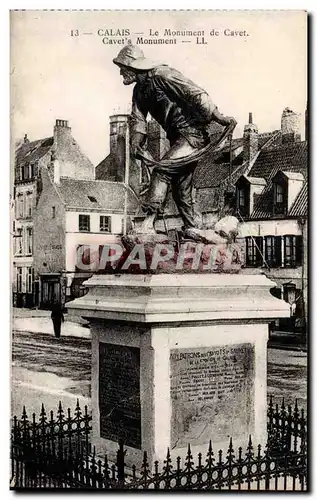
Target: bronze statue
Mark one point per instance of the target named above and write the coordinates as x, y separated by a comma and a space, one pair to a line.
184, 111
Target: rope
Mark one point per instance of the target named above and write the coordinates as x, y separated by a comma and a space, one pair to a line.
196, 156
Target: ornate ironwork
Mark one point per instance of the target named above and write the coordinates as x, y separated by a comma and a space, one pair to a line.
55, 453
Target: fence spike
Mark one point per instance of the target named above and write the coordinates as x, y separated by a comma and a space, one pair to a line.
230, 445
210, 452
144, 463
250, 447
220, 457
230, 452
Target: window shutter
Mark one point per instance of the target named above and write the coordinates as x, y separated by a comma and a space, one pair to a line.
259, 250
278, 251
299, 250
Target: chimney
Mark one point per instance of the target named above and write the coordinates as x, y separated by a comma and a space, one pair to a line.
55, 167
290, 125
26, 140
118, 138
250, 140
57, 172
157, 143
62, 133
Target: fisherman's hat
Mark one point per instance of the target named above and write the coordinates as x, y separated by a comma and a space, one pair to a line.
133, 57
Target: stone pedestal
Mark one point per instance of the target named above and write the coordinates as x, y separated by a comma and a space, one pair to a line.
178, 359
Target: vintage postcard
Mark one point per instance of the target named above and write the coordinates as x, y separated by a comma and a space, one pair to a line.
159, 240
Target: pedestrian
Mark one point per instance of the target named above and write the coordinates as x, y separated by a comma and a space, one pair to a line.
184, 111
57, 318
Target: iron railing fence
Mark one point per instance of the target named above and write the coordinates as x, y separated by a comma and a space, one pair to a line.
56, 453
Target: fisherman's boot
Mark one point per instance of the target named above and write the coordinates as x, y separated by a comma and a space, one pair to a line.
155, 198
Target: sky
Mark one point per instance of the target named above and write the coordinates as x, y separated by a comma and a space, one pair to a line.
57, 75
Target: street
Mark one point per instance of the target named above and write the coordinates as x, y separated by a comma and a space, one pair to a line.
48, 370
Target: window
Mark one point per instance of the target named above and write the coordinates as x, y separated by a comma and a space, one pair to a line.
18, 242
53, 213
20, 206
19, 279
292, 250
33, 170
29, 204
254, 249
104, 223
280, 201
273, 255
241, 198
29, 280
26, 172
84, 222
29, 240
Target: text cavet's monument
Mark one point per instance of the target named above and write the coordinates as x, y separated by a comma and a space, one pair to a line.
178, 348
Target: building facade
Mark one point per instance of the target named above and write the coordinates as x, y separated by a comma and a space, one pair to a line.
31, 157
272, 204
73, 217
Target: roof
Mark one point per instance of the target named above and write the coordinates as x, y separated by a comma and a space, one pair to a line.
96, 195
31, 152
294, 176
300, 205
259, 181
103, 168
291, 158
215, 169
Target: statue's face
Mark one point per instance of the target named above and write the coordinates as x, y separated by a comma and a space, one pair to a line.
128, 75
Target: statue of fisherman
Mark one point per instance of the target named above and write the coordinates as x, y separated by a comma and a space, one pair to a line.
184, 111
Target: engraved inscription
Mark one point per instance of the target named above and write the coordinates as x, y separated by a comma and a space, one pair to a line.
212, 392
119, 394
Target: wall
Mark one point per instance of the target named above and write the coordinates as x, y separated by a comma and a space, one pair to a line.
294, 187
270, 228
74, 240
49, 232
73, 162
25, 261
280, 275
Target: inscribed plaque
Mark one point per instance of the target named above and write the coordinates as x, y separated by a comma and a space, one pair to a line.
212, 393
119, 393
